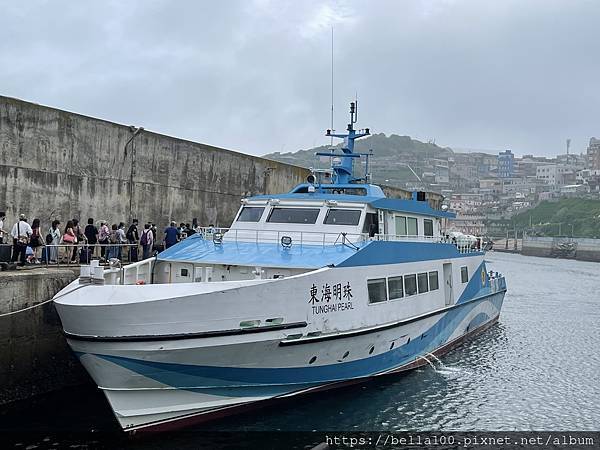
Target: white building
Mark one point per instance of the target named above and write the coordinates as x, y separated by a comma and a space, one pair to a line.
555, 174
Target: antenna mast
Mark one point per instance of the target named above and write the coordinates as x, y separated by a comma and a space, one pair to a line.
332, 82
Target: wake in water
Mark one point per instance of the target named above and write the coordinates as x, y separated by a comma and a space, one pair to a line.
441, 368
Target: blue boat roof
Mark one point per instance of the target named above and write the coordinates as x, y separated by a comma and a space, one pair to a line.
410, 206
318, 196
196, 249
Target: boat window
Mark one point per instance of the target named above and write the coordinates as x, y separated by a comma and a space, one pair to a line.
342, 217
411, 226
395, 288
400, 225
422, 282
428, 227
410, 285
184, 272
293, 215
433, 281
464, 274
377, 290
250, 214
371, 224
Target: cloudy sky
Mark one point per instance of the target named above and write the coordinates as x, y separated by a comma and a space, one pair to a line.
255, 75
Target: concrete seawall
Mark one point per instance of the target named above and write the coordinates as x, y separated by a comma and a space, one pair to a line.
34, 355
573, 248
57, 164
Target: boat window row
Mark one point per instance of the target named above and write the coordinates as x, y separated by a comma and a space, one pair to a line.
306, 216
392, 288
409, 226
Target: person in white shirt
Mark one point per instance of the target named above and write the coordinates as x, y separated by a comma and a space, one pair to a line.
2, 232
21, 233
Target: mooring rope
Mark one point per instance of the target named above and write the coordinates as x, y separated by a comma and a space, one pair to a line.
40, 304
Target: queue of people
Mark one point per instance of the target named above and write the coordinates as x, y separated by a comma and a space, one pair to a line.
95, 240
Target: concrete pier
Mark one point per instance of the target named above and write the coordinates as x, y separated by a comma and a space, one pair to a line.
34, 355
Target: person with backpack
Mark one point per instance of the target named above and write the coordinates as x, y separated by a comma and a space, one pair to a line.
147, 241
113, 240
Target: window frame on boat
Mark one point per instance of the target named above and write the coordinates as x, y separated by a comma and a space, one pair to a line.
428, 227
399, 278
276, 209
374, 281
355, 222
404, 229
464, 274
422, 282
248, 208
418, 289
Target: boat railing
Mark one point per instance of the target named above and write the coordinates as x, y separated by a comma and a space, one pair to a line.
497, 281
296, 237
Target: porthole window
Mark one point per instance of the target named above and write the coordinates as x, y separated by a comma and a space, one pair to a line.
345, 355
312, 360
371, 350
392, 345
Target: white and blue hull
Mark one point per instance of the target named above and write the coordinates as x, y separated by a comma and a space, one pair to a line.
159, 367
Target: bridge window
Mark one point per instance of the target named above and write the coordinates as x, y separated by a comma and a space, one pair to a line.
342, 217
377, 290
411, 226
250, 214
422, 282
433, 281
395, 288
400, 225
410, 285
428, 227
293, 215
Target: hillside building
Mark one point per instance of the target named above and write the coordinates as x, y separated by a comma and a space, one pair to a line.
506, 164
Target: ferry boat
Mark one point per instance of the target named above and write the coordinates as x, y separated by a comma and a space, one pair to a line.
330, 284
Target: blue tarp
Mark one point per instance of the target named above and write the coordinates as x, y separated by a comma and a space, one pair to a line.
198, 250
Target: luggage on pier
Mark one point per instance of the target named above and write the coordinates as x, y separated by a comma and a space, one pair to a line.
85, 255
5, 252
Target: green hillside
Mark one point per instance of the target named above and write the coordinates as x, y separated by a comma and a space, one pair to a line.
570, 215
390, 156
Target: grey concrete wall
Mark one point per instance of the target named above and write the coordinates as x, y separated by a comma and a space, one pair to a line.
584, 250
57, 164
34, 356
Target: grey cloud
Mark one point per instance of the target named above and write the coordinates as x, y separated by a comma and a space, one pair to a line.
255, 76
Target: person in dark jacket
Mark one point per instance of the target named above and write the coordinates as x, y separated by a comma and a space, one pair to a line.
171, 235
91, 234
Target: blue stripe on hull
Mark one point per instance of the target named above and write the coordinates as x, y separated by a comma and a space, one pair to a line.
218, 379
